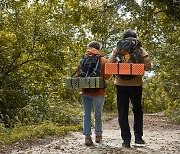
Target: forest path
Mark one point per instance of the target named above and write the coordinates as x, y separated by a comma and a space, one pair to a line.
160, 135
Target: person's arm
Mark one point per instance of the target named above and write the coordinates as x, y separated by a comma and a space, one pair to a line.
112, 58
146, 59
77, 74
147, 63
105, 76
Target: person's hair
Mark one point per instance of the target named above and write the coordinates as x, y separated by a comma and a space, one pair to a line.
94, 44
129, 33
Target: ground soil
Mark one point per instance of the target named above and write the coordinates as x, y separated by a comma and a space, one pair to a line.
160, 135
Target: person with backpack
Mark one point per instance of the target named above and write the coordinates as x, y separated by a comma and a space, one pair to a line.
92, 65
130, 87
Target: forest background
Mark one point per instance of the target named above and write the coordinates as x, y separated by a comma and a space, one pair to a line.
42, 41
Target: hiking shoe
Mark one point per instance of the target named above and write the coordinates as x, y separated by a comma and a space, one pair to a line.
139, 141
98, 138
126, 144
88, 141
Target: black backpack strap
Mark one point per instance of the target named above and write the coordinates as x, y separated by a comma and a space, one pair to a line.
118, 55
97, 64
87, 71
89, 67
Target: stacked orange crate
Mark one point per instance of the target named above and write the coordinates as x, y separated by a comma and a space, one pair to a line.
111, 68
137, 69
124, 68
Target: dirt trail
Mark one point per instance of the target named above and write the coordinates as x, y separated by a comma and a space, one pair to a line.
160, 135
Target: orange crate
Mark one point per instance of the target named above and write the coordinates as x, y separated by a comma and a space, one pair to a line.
124, 68
137, 69
111, 68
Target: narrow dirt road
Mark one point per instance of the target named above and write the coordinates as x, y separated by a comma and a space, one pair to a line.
160, 135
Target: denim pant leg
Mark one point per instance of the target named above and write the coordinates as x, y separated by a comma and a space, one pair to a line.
98, 107
87, 106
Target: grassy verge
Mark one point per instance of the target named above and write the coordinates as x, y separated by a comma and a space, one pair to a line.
33, 132
109, 115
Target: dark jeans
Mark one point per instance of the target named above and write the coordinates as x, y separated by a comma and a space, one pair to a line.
124, 94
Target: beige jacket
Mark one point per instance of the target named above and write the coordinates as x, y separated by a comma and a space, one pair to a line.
137, 80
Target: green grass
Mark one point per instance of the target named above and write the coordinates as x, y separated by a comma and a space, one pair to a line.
33, 132
109, 115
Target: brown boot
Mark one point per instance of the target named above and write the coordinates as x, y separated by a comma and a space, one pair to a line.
88, 140
98, 138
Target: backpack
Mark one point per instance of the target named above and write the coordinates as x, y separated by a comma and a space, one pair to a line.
90, 66
129, 51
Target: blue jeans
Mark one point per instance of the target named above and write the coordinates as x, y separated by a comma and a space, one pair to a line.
88, 103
